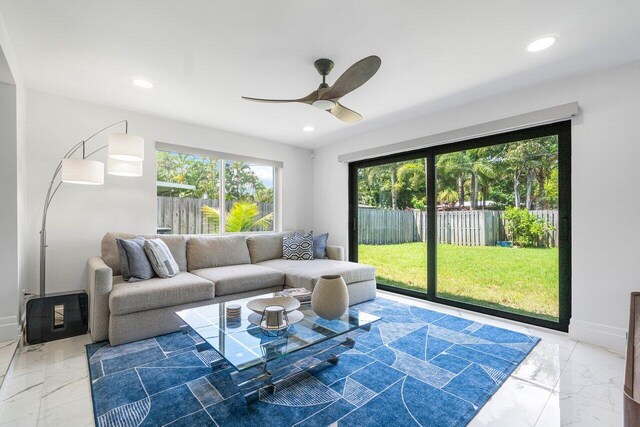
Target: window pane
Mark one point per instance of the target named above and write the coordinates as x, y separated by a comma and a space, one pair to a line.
249, 197
392, 223
497, 227
188, 193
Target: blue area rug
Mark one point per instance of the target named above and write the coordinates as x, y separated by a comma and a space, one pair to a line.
415, 367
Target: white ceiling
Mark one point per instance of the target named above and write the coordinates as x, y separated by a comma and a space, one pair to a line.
202, 55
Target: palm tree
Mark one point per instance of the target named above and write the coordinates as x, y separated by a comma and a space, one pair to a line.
243, 216
481, 173
458, 166
448, 196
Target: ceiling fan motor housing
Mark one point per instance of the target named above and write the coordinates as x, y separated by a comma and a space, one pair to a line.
324, 66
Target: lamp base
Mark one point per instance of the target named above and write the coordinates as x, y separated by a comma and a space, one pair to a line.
57, 316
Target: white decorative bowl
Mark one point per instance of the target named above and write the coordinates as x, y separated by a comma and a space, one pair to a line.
294, 317
258, 305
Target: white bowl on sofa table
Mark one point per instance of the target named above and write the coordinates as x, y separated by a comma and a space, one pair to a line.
294, 317
258, 305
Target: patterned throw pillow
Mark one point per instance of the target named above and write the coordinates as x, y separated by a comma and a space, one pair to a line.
134, 264
297, 247
319, 244
161, 258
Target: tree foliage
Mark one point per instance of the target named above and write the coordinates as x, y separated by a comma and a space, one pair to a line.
241, 182
518, 174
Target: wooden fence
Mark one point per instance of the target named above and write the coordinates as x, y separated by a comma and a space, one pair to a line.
467, 228
184, 215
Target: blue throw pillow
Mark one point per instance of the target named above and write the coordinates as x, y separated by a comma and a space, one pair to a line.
134, 264
320, 245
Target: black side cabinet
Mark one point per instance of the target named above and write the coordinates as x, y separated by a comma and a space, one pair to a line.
57, 316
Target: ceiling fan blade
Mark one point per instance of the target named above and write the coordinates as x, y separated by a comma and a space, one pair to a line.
355, 76
345, 114
269, 100
307, 99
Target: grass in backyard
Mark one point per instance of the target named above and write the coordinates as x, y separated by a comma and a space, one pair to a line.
520, 280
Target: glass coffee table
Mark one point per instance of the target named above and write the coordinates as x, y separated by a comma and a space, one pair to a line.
262, 361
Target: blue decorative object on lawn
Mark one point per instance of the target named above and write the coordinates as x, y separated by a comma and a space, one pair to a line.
415, 366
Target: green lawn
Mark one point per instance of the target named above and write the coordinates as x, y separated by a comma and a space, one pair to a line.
514, 279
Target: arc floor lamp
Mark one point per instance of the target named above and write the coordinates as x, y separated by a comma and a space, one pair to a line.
63, 315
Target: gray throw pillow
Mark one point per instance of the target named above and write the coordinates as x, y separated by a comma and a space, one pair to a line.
320, 245
297, 247
134, 264
161, 258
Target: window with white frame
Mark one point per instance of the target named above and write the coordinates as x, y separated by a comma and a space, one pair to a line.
203, 192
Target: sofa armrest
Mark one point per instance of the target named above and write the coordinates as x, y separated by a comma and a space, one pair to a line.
99, 288
335, 252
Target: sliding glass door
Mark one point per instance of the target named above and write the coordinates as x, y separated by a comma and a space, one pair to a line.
494, 213
391, 236
497, 214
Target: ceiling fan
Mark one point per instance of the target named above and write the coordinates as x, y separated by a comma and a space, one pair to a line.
326, 97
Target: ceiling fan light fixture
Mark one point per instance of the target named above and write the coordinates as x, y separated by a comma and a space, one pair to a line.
323, 104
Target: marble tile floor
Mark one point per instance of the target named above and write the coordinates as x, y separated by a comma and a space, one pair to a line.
7, 349
561, 383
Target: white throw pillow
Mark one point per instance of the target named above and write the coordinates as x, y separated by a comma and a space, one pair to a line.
161, 258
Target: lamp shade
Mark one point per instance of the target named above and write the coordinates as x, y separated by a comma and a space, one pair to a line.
124, 146
82, 171
123, 168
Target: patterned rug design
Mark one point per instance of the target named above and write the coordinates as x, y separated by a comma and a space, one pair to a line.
414, 367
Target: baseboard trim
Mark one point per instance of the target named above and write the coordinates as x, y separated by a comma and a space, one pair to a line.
9, 328
598, 334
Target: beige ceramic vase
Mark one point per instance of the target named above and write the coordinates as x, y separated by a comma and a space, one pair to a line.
330, 299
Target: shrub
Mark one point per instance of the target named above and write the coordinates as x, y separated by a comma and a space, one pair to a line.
420, 204
242, 217
524, 227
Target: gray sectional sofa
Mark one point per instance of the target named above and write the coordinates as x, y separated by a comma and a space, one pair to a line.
212, 269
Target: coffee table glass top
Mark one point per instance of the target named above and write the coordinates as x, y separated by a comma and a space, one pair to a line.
245, 345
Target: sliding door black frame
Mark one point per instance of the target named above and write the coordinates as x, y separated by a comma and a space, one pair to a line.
563, 130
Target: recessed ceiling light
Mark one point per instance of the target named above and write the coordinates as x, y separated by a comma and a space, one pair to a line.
308, 128
541, 44
143, 83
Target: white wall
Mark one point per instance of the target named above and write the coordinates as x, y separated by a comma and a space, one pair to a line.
80, 215
12, 179
605, 177
8, 211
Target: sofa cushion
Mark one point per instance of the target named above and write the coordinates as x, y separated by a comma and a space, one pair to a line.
306, 273
177, 245
134, 264
234, 279
263, 247
160, 258
216, 251
155, 293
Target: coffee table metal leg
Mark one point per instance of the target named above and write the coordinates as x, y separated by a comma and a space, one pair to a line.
216, 364
203, 346
251, 388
